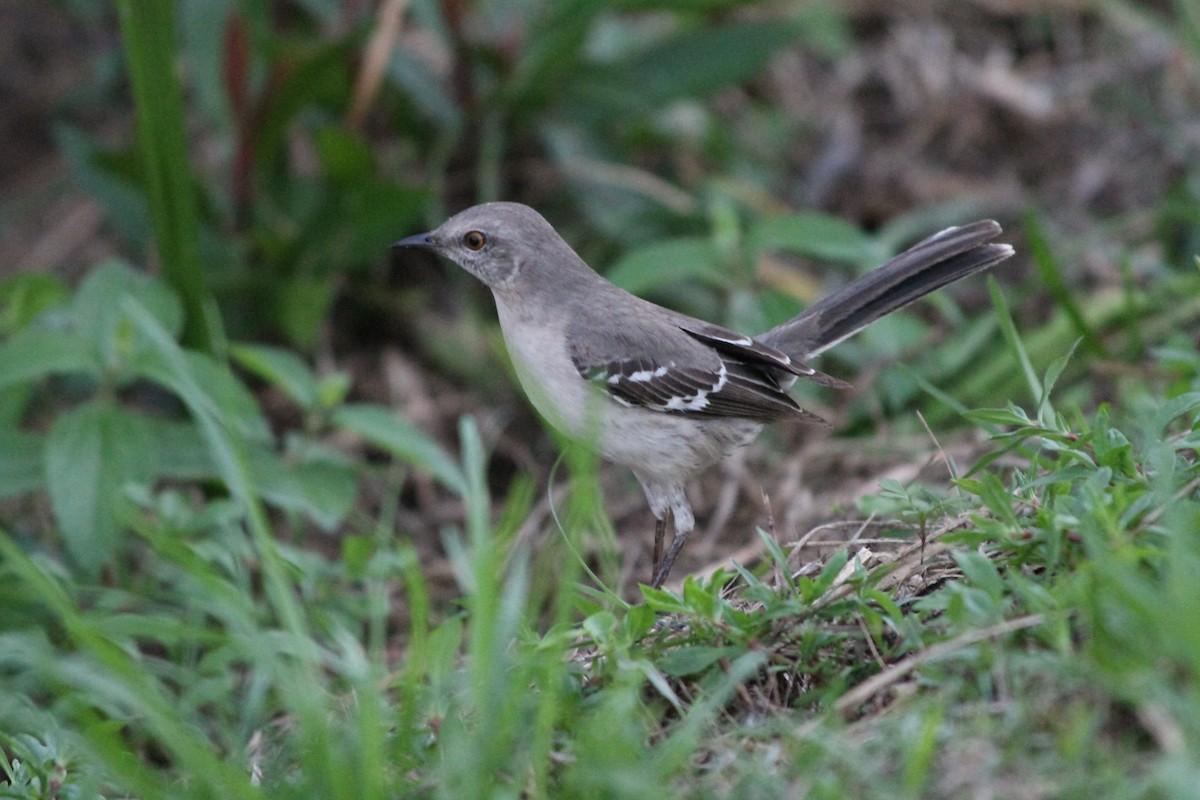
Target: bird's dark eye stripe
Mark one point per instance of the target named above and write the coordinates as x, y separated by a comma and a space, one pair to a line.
474, 240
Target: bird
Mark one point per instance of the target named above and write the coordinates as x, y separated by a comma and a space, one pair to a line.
654, 390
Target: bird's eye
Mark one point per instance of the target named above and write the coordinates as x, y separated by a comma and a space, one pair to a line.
474, 240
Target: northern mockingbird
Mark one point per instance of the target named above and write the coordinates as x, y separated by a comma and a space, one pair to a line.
660, 392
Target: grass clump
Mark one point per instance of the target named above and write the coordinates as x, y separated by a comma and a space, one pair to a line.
1033, 635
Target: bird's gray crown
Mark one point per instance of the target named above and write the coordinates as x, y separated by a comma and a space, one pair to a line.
501, 244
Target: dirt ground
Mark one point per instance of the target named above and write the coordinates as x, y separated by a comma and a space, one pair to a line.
1088, 116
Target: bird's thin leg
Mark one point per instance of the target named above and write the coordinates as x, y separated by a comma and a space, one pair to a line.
660, 534
664, 569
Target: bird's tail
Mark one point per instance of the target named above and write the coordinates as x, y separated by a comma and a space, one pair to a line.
923, 268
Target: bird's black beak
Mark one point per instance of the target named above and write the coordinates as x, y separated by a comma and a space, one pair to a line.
422, 241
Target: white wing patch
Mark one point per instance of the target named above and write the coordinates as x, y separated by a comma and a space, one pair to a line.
699, 400
641, 376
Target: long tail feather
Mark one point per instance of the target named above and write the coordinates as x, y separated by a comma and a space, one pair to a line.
925, 267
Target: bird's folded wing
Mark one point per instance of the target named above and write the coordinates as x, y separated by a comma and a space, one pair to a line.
728, 388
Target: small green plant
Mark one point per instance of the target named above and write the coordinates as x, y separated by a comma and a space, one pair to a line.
99, 400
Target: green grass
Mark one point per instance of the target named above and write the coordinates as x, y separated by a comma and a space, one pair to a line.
1041, 636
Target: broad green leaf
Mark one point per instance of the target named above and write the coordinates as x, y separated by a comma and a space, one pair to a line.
387, 431
322, 491
99, 319
816, 235
222, 391
21, 469
24, 296
180, 450
91, 453
281, 368
37, 352
1176, 407
690, 660
981, 572
665, 262
238, 405
638, 621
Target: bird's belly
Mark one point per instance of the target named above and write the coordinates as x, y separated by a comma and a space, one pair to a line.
666, 448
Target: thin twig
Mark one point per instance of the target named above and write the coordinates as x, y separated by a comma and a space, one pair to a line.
874, 685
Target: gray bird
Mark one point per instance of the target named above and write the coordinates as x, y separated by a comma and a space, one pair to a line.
660, 392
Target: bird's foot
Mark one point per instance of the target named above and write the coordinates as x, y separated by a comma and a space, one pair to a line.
660, 535
663, 569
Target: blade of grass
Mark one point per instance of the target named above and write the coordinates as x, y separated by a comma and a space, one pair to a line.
1050, 271
1009, 329
148, 30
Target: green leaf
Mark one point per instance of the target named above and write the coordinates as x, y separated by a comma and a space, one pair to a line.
14, 400
1013, 337
148, 34
816, 235
180, 450
385, 430
317, 75
638, 621
322, 491
697, 658
91, 453
21, 468
281, 368
221, 390
360, 222
36, 352
25, 296
1000, 416
665, 262
99, 319
827, 576
332, 389
981, 572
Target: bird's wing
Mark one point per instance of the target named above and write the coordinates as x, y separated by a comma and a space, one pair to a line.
677, 371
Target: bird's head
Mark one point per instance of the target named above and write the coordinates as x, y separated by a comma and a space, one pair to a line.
498, 243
